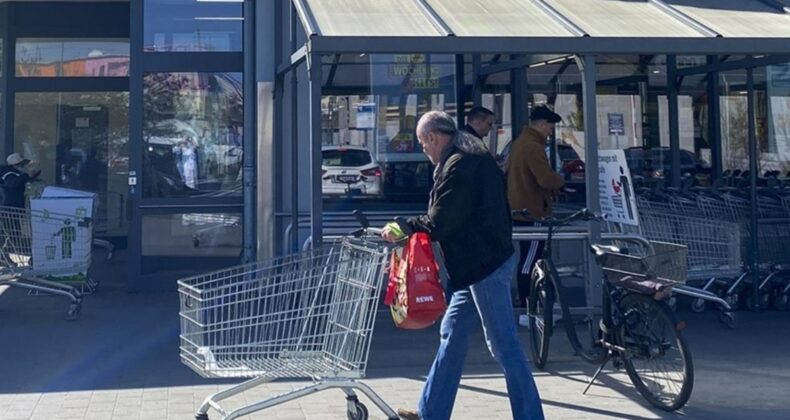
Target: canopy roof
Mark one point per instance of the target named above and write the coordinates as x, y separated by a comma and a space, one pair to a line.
547, 26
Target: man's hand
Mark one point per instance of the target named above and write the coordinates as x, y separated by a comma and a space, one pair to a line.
392, 233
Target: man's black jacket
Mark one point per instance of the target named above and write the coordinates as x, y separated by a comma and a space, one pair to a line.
469, 216
13, 182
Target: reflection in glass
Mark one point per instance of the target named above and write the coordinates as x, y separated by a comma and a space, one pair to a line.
51, 57
373, 135
192, 26
778, 92
79, 141
192, 134
192, 234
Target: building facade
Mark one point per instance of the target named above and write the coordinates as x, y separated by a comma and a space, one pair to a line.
195, 121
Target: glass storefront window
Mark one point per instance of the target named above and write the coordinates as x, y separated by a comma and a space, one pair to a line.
190, 242
52, 57
192, 134
192, 26
79, 140
372, 127
733, 103
778, 92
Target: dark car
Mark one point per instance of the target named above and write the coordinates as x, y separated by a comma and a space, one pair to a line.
571, 164
656, 162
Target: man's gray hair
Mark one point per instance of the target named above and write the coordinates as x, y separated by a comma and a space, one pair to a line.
441, 122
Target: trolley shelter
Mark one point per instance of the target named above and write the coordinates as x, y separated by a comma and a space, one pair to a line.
490, 38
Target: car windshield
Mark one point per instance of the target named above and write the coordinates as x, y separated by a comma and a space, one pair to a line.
346, 157
567, 153
665, 156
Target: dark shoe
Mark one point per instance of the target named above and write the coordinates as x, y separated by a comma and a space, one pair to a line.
407, 414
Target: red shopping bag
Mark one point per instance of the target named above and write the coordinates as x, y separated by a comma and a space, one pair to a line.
415, 293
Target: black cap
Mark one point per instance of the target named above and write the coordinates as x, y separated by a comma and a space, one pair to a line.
544, 113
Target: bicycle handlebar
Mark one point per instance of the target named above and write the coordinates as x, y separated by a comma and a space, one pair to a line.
583, 214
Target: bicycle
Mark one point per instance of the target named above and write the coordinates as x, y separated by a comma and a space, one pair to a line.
637, 329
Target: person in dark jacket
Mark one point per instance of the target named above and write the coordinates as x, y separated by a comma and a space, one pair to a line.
470, 218
479, 121
14, 178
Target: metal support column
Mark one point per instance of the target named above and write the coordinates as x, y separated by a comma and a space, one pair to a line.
519, 99
9, 58
674, 116
316, 196
754, 253
294, 124
460, 98
714, 119
590, 76
477, 82
250, 134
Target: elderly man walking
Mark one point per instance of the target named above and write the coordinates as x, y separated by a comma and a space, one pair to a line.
470, 218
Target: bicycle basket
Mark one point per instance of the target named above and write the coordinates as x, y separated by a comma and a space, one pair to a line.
667, 265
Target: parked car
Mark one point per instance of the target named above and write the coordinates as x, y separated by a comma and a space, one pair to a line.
571, 164
350, 170
656, 162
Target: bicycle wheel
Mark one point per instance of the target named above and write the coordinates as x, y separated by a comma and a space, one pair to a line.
541, 317
657, 357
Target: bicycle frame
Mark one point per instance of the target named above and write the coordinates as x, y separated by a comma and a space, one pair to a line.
559, 289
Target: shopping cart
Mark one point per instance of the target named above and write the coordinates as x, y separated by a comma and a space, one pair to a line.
109, 218
304, 316
37, 246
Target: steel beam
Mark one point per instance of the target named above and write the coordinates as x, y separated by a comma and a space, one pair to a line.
250, 131
316, 193
519, 100
546, 45
435, 18
558, 17
714, 118
720, 65
590, 111
754, 250
307, 18
685, 19
674, 116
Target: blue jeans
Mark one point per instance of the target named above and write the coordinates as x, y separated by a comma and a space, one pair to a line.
491, 299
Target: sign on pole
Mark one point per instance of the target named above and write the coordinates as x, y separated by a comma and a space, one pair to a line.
616, 188
366, 115
616, 124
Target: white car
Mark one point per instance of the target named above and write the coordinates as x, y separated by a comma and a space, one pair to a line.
350, 170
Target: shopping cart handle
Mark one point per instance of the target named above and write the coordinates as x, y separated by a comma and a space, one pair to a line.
361, 218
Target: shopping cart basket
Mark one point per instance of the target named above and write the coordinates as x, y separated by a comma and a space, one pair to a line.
37, 246
661, 265
304, 316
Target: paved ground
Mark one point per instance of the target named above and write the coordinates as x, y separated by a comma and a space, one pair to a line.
120, 361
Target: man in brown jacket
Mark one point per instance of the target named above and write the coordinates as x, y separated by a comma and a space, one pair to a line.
531, 185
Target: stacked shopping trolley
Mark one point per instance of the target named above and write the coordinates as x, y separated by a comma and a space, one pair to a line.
715, 224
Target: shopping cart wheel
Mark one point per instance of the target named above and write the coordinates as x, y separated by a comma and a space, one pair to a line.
781, 302
762, 302
73, 312
733, 300
698, 305
728, 318
358, 412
